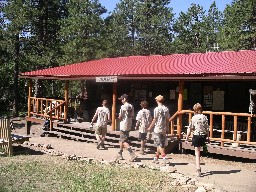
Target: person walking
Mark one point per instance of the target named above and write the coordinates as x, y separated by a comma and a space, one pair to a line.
199, 126
103, 117
126, 115
143, 119
160, 123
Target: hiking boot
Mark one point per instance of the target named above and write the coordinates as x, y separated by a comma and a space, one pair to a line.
155, 160
103, 146
166, 161
98, 145
119, 156
133, 157
142, 152
198, 172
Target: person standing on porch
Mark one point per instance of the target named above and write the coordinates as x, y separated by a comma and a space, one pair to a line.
160, 123
200, 127
126, 115
103, 117
143, 119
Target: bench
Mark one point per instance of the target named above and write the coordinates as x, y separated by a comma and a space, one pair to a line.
7, 139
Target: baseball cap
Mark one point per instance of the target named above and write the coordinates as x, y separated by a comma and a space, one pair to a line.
159, 98
124, 96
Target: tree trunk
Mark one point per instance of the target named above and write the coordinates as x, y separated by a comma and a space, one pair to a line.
16, 76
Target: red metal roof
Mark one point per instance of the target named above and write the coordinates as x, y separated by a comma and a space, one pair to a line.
211, 64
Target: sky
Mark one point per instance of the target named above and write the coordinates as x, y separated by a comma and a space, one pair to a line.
177, 5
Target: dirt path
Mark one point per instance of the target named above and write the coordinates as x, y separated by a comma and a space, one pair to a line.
224, 175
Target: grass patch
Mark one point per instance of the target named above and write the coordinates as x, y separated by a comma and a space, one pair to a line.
47, 173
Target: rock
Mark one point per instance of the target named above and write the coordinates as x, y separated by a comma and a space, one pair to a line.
153, 167
192, 181
200, 189
138, 165
90, 160
48, 146
175, 183
168, 169
176, 175
183, 181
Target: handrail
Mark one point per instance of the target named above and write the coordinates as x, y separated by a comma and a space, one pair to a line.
43, 107
58, 106
211, 112
174, 116
223, 130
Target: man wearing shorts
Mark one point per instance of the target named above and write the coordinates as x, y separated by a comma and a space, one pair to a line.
160, 124
103, 116
143, 119
126, 115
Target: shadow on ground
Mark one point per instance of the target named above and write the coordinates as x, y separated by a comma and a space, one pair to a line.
220, 172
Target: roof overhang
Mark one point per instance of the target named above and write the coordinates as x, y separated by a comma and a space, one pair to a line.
198, 77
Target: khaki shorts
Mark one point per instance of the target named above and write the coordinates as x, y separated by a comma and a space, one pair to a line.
101, 130
124, 136
142, 136
159, 140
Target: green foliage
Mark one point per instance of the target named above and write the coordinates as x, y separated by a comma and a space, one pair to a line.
239, 26
80, 31
189, 30
140, 28
40, 34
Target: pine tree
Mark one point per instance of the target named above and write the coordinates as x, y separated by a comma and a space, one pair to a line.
14, 18
154, 27
121, 29
189, 30
239, 26
141, 27
81, 30
213, 23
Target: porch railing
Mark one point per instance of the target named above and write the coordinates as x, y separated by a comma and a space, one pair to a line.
234, 125
47, 108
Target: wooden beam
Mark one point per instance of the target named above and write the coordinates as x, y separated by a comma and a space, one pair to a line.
114, 107
223, 129
211, 125
249, 129
235, 128
180, 106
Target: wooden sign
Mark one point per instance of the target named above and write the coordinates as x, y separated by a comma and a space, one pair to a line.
107, 79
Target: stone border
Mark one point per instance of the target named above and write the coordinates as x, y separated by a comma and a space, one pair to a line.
179, 178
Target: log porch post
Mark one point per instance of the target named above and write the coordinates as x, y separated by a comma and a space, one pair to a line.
114, 107
180, 106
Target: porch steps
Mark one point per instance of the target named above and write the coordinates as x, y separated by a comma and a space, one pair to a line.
88, 135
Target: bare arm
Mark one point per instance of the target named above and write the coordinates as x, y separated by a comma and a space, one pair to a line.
189, 130
188, 133
152, 125
137, 125
95, 116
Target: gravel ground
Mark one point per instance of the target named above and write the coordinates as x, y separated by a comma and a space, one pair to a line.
225, 175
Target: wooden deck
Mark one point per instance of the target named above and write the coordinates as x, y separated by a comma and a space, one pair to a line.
243, 151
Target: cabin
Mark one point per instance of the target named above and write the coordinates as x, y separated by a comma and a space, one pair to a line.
223, 82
